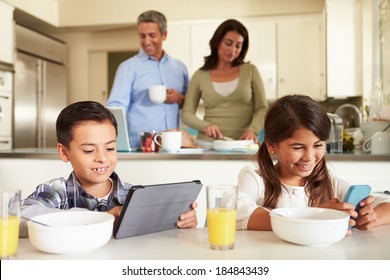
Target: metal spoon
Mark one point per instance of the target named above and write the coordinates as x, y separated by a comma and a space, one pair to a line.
34, 221
387, 127
270, 211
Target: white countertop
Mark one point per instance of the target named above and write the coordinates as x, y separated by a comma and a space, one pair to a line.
191, 244
191, 154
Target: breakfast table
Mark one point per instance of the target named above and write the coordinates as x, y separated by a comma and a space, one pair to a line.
191, 244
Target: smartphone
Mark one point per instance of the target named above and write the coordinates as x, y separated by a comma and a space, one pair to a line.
357, 193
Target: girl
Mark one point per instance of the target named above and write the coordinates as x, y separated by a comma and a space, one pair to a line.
296, 130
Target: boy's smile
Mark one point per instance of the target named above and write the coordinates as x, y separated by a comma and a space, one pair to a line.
92, 153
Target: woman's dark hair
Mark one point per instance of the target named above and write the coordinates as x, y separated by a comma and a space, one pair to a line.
211, 61
285, 116
78, 113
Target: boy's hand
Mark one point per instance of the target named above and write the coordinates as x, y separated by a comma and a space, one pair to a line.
188, 219
116, 211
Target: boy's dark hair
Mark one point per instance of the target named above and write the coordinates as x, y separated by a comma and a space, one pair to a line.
77, 113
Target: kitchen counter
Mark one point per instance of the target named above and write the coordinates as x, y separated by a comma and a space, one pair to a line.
26, 168
186, 154
191, 244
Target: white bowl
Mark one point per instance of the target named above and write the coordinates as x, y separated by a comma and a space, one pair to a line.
222, 145
310, 226
70, 231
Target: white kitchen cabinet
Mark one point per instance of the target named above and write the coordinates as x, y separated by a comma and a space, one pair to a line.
301, 56
344, 48
7, 33
201, 34
262, 52
190, 43
289, 51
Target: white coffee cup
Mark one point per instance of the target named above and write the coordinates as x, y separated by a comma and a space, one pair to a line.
379, 143
170, 141
158, 93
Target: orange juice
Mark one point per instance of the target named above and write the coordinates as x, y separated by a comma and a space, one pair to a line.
221, 227
9, 235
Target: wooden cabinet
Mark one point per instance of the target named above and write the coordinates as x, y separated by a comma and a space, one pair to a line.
7, 33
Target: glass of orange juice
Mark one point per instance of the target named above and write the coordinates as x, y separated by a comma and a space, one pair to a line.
221, 216
9, 222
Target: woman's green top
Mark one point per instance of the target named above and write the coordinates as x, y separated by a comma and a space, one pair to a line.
242, 110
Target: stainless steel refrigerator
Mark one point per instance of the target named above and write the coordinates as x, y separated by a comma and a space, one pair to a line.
40, 89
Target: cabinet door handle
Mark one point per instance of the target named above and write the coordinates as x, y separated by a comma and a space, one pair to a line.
4, 142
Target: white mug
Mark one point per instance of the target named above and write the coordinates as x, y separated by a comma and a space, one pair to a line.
170, 141
379, 143
158, 93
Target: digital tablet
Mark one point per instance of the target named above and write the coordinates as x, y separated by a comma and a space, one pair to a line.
154, 208
122, 140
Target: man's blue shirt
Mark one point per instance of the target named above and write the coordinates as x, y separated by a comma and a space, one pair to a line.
130, 91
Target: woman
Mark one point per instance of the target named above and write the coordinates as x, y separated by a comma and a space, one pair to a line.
232, 90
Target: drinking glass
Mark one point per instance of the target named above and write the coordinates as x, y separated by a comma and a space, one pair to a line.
336, 139
221, 216
9, 222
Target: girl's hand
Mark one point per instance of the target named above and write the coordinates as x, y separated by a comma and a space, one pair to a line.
249, 135
213, 131
367, 217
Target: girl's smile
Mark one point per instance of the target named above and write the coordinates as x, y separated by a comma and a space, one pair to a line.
298, 156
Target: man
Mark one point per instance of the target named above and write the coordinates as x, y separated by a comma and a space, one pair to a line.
151, 66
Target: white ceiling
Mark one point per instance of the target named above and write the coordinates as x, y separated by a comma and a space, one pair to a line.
95, 15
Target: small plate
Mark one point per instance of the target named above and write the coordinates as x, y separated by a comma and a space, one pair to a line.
220, 145
192, 150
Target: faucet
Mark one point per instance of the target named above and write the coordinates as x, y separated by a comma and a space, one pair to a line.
350, 120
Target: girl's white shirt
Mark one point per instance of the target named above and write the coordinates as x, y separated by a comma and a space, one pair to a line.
251, 194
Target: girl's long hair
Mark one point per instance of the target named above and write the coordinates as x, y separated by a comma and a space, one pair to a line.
285, 116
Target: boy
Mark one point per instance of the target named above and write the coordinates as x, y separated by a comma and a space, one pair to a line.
86, 135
